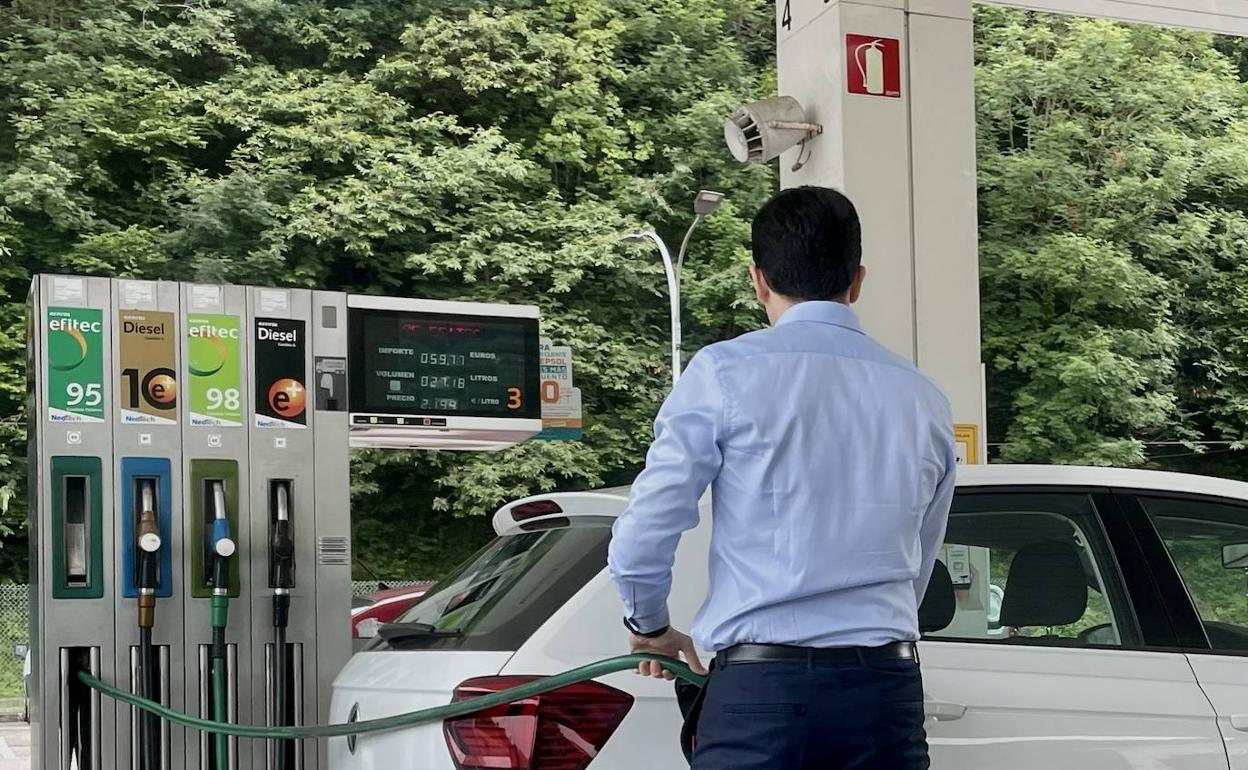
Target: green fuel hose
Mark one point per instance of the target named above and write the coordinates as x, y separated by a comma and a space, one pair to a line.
220, 695
409, 719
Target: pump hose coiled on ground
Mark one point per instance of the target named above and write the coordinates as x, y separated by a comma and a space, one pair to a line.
397, 721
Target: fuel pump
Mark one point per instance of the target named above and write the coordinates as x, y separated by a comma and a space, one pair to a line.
282, 574
164, 416
147, 551
223, 547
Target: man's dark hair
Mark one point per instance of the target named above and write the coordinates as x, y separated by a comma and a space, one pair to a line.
808, 243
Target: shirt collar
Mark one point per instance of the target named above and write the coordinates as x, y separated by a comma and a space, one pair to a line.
816, 311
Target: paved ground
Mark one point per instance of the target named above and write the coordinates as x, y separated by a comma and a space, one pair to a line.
14, 746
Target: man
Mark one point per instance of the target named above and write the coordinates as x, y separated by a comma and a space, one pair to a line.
831, 463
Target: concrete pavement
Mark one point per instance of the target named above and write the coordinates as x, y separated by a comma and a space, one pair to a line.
14, 746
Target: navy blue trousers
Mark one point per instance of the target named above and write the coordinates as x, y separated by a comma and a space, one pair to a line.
804, 715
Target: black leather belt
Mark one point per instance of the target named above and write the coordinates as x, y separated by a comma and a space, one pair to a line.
762, 653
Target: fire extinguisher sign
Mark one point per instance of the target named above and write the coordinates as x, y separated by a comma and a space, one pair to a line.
873, 65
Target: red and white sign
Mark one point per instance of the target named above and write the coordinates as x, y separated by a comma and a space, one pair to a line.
873, 65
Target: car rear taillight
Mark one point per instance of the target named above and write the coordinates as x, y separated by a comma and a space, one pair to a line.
531, 510
561, 730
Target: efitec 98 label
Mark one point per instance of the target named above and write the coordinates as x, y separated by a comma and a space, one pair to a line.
214, 370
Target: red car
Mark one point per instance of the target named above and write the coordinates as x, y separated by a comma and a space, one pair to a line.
383, 607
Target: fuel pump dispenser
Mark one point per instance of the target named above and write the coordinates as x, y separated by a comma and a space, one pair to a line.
190, 462
218, 507
72, 520
286, 594
147, 445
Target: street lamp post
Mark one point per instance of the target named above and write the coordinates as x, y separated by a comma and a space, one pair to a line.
704, 204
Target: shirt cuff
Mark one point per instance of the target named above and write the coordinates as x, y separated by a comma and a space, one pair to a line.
645, 624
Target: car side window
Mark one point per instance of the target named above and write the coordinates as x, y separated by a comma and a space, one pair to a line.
1028, 568
1208, 543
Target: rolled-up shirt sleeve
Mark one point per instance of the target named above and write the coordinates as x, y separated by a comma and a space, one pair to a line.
684, 458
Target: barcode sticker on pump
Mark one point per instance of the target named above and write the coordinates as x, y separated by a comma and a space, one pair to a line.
333, 550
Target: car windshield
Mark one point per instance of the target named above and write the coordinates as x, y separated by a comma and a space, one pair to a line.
502, 594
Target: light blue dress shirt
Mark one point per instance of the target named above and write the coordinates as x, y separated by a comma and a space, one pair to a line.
831, 464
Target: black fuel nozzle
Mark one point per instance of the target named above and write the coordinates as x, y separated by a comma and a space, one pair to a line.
282, 555
282, 550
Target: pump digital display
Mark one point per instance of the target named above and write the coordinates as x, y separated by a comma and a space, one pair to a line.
422, 364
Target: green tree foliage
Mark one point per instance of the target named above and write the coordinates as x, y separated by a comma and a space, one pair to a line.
496, 151
484, 151
1113, 166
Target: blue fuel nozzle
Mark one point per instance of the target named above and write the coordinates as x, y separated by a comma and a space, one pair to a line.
222, 543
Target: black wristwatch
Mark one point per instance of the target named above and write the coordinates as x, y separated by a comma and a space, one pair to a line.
645, 634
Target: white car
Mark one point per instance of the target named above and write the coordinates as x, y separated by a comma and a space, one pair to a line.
1086, 619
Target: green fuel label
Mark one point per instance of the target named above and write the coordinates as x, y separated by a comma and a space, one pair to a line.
75, 373
214, 369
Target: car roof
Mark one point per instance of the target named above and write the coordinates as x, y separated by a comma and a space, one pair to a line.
1077, 475
575, 503
1086, 476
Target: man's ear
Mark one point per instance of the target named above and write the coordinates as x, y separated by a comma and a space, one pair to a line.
855, 288
761, 290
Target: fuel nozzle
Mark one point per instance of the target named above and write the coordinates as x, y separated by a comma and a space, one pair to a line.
223, 545
282, 554
147, 535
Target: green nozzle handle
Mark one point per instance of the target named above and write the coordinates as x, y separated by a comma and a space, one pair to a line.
220, 610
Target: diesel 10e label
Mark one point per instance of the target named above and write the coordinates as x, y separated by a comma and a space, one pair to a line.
214, 370
148, 381
281, 373
75, 373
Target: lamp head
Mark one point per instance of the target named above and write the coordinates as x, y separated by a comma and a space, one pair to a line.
706, 202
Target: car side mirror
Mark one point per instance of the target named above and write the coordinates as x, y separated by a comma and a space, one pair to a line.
1235, 556
20, 650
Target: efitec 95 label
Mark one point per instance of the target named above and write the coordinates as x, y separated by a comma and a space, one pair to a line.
214, 372
75, 374
281, 373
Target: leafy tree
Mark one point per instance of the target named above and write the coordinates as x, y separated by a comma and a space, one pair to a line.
484, 151
1113, 169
